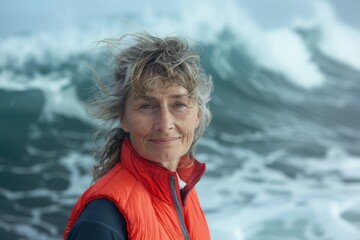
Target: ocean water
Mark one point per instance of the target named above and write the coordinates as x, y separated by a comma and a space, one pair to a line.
282, 151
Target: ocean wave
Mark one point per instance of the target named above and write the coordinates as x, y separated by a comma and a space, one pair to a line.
282, 150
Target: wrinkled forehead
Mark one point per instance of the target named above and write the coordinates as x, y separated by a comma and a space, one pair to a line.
149, 83
171, 92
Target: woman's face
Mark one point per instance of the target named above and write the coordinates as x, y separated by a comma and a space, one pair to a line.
161, 124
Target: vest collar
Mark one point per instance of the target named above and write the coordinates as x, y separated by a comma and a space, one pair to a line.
156, 178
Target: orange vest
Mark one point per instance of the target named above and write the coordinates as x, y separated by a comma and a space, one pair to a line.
148, 197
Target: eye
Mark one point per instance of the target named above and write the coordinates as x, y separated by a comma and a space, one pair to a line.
180, 105
146, 106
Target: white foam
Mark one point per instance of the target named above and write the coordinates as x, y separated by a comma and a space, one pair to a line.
316, 208
30, 232
339, 41
65, 103
52, 47
39, 47
280, 50
348, 168
284, 52
60, 96
74, 162
328, 214
239, 208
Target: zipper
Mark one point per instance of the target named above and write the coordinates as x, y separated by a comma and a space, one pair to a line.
178, 207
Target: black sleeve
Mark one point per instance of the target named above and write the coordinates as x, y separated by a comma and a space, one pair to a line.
101, 219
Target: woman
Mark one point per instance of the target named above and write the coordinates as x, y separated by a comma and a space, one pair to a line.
144, 184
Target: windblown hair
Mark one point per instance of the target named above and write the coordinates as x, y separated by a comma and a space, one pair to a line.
139, 65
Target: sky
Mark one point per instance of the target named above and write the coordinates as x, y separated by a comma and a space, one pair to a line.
22, 16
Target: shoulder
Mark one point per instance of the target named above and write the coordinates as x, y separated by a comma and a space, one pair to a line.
100, 220
117, 185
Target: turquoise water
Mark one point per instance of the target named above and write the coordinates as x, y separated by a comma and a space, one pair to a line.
282, 151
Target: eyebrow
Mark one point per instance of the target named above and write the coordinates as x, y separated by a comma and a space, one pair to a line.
146, 97
179, 95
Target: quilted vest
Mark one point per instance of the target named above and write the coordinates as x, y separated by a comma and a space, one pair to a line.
149, 198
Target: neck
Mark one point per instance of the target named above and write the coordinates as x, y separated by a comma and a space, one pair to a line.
171, 165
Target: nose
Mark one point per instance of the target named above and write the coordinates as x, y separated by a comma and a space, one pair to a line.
164, 120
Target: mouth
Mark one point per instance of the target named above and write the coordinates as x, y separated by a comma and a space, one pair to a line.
164, 140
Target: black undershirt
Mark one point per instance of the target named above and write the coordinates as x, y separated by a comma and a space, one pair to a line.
101, 219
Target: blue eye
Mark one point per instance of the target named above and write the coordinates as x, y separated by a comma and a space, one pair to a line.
146, 106
180, 105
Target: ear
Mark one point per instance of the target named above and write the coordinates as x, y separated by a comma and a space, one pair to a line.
198, 118
123, 124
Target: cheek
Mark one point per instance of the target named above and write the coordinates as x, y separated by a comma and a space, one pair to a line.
190, 125
140, 127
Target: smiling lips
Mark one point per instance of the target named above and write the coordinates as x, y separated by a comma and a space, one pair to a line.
164, 140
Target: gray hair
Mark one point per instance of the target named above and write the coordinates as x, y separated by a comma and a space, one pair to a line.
138, 67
